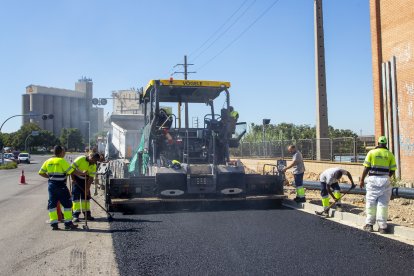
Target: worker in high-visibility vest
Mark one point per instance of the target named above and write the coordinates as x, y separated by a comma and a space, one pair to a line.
233, 113
379, 166
56, 170
82, 184
329, 181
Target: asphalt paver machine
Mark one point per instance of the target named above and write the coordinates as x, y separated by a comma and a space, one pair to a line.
178, 163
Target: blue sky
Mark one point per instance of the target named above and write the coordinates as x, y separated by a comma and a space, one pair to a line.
124, 44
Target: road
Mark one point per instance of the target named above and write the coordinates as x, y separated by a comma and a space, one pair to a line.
252, 242
28, 246
191, 241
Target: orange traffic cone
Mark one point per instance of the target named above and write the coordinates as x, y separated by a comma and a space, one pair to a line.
22, 178
59, 212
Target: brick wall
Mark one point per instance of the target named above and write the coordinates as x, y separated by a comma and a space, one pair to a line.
392, 29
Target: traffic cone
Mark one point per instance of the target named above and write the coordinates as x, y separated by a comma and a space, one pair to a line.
22, 178
59, 212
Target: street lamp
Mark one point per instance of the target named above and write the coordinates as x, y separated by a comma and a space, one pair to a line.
89, 134
34, 133
265, 123
31, 114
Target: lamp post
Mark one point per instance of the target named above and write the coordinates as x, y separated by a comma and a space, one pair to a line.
33, 133
89, 134
31, 114
265, 122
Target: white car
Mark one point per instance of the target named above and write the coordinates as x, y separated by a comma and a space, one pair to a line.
24, 157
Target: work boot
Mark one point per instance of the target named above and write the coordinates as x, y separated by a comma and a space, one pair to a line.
88, 216
55, 226
75, 219
368, 228
70, 226
383, 231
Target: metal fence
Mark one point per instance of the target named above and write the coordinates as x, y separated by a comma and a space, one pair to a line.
346, 149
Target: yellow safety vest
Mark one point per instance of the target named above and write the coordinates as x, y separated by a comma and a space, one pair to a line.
56, 168
380, 161
234, 114
82, 164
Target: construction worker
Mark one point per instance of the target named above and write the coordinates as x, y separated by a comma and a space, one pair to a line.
379, 166
82, 184
56, 169
329, 181
233, 113
175, 164
298, 171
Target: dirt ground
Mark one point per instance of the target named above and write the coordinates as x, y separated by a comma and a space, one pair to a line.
401, 211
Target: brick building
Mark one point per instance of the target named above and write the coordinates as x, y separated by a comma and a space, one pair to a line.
392, 29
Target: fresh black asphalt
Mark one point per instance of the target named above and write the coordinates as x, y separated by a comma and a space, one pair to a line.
251, 241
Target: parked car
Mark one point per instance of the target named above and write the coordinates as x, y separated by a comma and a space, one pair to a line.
24, 157
10, 156
6, 160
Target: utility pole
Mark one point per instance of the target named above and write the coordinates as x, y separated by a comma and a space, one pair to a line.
185, 72
322, 130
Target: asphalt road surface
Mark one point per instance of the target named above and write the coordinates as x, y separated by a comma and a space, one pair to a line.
29, 247
252, 242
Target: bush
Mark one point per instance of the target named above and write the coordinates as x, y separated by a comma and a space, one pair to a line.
8, 166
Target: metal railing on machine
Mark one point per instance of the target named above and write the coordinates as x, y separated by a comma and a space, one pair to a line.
343, 149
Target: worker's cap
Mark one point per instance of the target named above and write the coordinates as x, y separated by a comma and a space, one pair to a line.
382, 140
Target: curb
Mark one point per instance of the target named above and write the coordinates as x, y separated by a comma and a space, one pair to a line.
354, 220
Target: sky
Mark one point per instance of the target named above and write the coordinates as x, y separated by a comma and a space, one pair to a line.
265, 48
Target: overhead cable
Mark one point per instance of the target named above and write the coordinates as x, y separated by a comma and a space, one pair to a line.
240, 35
225, 31
218, 29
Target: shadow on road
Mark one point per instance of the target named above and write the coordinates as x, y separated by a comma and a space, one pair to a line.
107, 231
182, 207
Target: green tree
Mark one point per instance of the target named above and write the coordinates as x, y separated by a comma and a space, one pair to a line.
19, 137
71, 138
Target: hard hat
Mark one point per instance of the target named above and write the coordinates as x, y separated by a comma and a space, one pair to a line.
382, 140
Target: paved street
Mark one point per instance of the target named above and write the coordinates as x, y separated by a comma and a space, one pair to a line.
252, 242
224, 240
28, 246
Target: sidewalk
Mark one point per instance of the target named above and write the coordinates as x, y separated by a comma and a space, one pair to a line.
397, 232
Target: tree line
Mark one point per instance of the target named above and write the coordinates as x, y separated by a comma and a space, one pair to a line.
71, 138
285, 131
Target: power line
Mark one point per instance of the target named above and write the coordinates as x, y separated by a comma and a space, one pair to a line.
214, 33
218, 29
226, 30
240, 35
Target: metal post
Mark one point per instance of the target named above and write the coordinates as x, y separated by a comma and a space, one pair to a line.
331, 145
355, 150
395, 117
89, 134
25, 142
384, 99
263, 140
186, 102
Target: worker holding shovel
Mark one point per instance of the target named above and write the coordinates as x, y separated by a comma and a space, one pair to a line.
81, 185
329, 181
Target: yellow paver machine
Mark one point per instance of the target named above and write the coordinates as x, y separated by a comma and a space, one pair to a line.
178, 163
